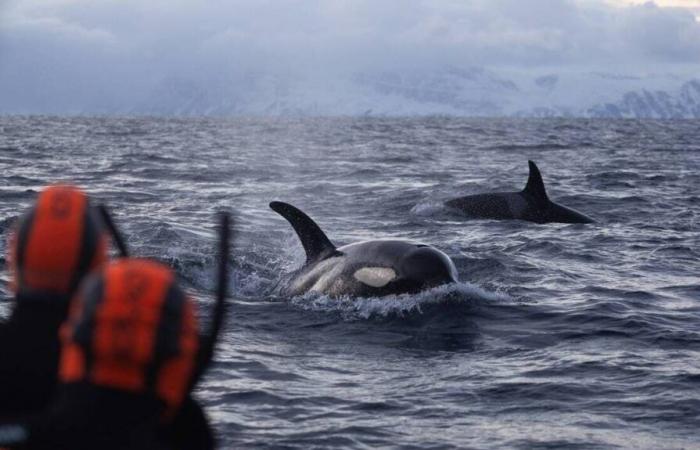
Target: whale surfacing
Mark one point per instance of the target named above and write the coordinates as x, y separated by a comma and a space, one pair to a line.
531, 204
373, 268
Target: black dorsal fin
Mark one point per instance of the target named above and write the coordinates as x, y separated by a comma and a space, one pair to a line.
316, 244
535, 185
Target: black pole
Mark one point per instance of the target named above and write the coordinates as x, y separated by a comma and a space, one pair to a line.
116, 235
222, 282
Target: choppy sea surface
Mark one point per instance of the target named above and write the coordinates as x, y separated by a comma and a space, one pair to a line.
558, 336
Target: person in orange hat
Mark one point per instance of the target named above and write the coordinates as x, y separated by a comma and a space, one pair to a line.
52, 247
130, 354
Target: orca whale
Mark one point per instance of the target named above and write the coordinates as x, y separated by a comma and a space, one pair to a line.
531, 204
373, 268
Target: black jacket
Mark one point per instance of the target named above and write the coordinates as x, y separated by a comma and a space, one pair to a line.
29, 353
29, 396
84, 417
88, 417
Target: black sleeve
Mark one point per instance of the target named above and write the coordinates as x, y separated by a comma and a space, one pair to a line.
27, 370
189, 429
10, 389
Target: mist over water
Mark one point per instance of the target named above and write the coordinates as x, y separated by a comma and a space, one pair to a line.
557, 336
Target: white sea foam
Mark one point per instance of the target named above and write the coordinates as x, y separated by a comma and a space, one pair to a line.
428, 208
352, 308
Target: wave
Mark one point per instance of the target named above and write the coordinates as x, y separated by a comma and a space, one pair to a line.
398, 306
428, 208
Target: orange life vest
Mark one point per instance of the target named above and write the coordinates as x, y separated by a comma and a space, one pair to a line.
132, 328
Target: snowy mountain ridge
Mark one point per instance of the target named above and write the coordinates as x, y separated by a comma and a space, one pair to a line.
455, 91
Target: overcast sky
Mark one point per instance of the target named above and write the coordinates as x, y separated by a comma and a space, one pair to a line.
59, 48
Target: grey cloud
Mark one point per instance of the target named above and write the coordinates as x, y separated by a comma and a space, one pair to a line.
78, 52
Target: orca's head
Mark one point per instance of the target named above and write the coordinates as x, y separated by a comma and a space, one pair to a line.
426, 267
415, 269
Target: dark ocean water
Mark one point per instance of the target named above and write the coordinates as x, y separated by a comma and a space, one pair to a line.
559, 336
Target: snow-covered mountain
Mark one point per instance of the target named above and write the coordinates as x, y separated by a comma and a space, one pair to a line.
469, 91
656, 104
472, 91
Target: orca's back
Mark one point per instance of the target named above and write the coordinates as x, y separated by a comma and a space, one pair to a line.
486, 206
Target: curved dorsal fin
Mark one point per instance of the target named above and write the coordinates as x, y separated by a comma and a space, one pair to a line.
535, 185
316, 244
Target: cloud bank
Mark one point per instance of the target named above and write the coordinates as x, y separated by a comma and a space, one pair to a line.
67, 56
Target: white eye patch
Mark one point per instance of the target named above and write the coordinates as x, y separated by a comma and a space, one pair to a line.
375, 276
